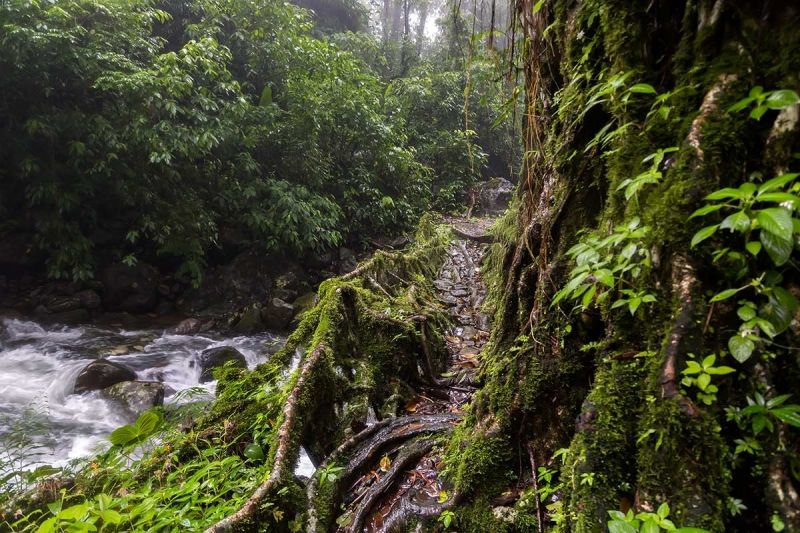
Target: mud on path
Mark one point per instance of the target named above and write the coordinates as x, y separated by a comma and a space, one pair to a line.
394, 466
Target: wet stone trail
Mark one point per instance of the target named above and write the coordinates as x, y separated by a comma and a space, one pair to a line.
392, 474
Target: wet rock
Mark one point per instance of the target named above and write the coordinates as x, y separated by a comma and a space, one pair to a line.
495, 196
304, 303
86, 299
250, 320
347, 260
277, 314
102, 374
132, 289
189, 326
217, 357
230, 287
136, 396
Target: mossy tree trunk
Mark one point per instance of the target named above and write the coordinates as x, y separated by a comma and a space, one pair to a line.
601, 382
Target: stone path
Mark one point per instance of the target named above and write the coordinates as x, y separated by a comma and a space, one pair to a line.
402, 480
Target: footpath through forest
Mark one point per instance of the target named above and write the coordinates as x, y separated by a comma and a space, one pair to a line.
394, 466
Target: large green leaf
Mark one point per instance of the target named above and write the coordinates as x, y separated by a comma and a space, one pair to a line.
703, 234
788, 415
779, 250
782, 98
776, 220
123, 435
741, 348
738, 221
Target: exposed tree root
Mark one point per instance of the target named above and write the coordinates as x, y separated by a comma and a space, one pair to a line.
285, 454
409, 455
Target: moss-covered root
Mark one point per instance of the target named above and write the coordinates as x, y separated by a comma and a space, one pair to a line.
286, 451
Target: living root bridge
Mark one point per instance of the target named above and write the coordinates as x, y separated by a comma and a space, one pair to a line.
363, 353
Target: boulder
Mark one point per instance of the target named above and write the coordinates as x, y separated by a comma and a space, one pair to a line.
277, 314
495, 195
133, 289
217, 357
136, 396
86, 299
250, 320
304, 303
188, 326
102, 374
347, 260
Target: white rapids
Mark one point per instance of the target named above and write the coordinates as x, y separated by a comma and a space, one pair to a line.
38, 367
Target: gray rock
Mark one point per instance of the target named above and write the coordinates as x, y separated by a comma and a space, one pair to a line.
136, 396
217, 357
304, 303
132, 289
102, 374
495, 196
277, 314
188, 326
347, 260
250, 320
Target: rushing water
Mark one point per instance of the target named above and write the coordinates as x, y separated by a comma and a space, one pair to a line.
39, 364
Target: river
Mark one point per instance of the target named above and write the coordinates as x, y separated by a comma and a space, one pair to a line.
42, 422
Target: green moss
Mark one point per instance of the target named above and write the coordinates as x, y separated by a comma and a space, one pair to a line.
597, 471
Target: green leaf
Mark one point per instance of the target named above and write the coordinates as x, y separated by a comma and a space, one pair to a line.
123, 435
780, 308
758, 112
663, 510
703, 381
147, 423
788, 415
643, 88
692, 367
738, 221
48, 526
780, 198
254, 452
266, 96
720, 370
724, 295
779, 250
618, 526
754, 247
782, 98
776, 183
703, 234
649, 526
725, 194
706, 209
746, 313
741, 348
110, 516
776, 220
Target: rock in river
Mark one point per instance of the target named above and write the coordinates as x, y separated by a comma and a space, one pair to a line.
136, 396
277, 314
101, 374
216, 357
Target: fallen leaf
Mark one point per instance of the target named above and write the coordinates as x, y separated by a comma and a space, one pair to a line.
386, 463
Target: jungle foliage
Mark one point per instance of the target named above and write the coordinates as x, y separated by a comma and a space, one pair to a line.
157, 129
